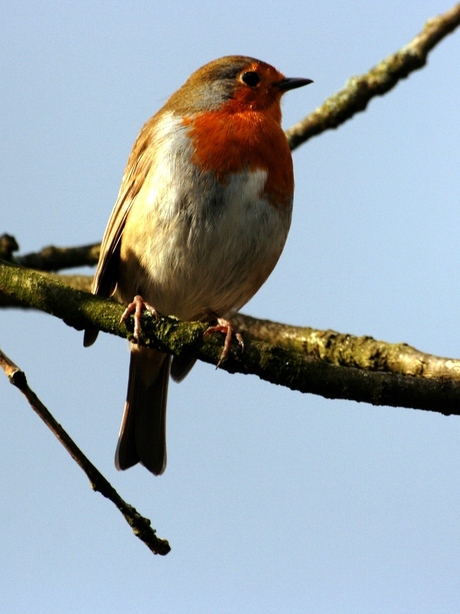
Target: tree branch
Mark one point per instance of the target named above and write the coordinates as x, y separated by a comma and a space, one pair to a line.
359, 91
346, 350
50, 258
320, 362
140, 525
53, 258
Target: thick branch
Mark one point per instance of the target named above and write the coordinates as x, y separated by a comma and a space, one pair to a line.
140, 525
340, 349
346, 350
359, 91
435, 388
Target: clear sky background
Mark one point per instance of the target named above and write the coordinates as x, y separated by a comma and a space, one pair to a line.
272, 501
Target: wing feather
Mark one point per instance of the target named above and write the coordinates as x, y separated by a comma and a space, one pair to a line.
139, 164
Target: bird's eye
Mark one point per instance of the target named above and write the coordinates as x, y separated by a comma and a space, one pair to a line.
251, 78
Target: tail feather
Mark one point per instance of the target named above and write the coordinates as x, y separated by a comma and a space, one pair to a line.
180, 367
89, 337
143, 429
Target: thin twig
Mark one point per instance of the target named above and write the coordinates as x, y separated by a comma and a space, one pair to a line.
50, 258
359, 91
140, 525
54, 258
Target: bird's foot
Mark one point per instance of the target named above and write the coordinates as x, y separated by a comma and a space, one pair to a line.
225, 327
136, 307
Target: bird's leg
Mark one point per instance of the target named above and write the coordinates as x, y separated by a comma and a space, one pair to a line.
136, 307
226, 327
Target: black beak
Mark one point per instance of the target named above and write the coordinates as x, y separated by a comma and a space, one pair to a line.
292, 83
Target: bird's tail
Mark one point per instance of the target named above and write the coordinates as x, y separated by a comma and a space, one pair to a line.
143, 428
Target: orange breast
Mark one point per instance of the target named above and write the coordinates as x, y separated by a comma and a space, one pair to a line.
230, 142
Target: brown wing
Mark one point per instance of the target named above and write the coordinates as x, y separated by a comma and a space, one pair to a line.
106, 276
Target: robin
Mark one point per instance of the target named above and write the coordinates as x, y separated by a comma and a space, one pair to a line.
200, 221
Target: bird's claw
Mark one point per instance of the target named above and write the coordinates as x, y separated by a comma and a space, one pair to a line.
225, 327
135, 308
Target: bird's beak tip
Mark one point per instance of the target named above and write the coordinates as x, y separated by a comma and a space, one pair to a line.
291, 83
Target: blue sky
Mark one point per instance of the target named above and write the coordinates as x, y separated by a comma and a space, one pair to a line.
272, 501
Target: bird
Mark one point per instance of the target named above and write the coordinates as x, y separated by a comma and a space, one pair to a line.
200, 221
